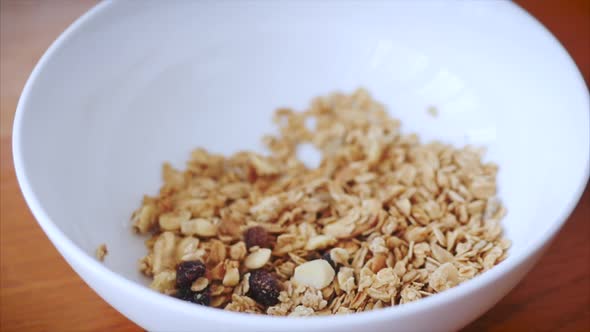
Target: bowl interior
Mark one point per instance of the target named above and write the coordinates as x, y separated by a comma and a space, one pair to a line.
138, 85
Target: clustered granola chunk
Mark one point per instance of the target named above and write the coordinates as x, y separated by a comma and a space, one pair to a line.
383, 220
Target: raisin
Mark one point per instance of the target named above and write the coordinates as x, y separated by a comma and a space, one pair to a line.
252, 176
183, 294
264, 288
203, 297
327, 258
257, 236
189, 271
312, 255
186, 294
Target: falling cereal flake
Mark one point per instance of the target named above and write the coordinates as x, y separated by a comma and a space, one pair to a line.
432, 111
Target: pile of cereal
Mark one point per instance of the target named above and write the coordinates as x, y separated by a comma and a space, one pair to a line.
383, 220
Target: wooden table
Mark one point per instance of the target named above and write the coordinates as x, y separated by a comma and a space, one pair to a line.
40, 292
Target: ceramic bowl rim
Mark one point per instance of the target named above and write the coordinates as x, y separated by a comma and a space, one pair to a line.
117, 281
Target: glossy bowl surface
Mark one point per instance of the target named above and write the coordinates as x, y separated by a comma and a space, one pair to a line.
131, 85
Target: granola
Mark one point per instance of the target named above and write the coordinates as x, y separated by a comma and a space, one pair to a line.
383, 220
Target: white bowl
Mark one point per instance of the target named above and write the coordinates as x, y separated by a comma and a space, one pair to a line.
131, 85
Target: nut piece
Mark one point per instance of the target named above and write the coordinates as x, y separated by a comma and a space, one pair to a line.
217, 252
200, 284
257, 259
199, 227
346, 279
257, 236
263, 166
163, 281
237, 251
164, 248
143, 218
231, 277
404, 206
317, 273
339, 256
187, 247
217, 272
264, 288
319, 242
171, 221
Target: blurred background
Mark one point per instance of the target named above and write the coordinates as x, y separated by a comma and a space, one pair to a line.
40, 292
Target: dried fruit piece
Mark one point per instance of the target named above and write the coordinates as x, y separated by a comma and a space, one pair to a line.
188, 272
264, 288
203, 297
257, 236
327, 257
317, 273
